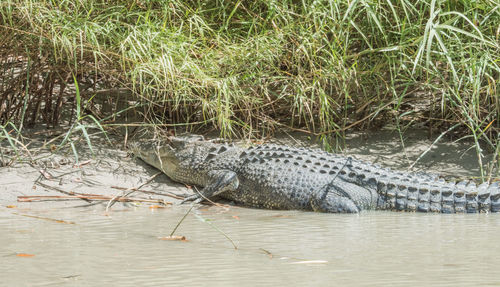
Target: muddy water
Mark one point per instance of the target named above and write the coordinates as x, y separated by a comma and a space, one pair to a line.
124, 248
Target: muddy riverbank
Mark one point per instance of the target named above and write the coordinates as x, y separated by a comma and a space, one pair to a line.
112, 172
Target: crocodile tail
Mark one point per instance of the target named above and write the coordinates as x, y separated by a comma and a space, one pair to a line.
438, 196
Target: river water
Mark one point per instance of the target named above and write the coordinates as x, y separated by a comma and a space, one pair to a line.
125, 248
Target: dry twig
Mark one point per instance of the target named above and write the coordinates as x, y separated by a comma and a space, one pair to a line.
130, 191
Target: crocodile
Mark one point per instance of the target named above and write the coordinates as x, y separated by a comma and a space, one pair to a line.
281, 177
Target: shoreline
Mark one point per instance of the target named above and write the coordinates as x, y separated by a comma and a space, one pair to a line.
113, 172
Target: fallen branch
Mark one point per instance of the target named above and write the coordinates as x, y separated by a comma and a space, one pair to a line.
92, 197
45, 218
130, 191
60, 190
166, 193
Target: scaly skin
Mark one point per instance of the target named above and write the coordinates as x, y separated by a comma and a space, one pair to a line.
281, 177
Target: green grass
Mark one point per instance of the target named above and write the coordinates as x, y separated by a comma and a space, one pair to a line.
249, 67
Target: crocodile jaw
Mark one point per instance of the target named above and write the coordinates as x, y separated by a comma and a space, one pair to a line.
160, 157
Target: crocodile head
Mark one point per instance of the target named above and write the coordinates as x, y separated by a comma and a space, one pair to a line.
174, 156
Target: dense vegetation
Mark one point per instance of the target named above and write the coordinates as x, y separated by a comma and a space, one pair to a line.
247, 67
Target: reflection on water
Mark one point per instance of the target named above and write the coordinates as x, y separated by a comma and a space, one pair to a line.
275, 248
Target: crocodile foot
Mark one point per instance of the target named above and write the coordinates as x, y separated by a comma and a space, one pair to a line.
335, 204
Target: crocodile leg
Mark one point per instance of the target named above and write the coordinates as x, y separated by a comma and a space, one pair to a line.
220, 181
342, 197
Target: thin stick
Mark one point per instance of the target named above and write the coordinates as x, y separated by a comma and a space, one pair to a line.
216, 228
167, 193
45, 218
214, 203
59, 190
430, 147
32, 198
179, 223
131, 190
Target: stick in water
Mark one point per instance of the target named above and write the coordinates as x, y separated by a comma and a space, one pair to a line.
173, 231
